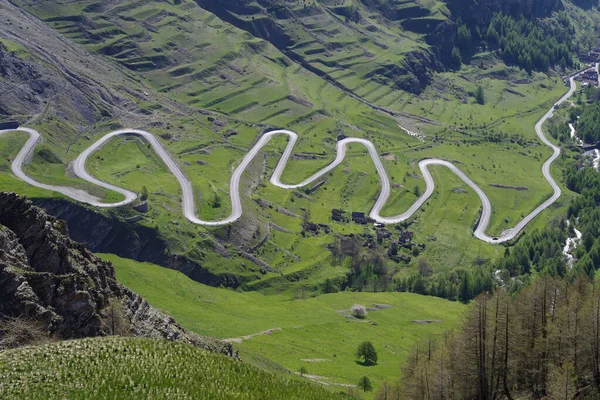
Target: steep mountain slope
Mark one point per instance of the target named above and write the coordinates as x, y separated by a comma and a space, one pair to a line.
345, 42
209, 88
44, 76
47, 278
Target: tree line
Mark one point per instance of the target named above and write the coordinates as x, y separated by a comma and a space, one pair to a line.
587, 120
369, 271
538, 251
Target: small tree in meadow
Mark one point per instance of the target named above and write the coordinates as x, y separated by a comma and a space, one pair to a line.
417, 191
303, 371
144, 195
217, 202
367, 352
480, 95
365, 384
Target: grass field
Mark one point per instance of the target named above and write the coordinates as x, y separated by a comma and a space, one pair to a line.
353, 187
306, 329
128, 368
210, 89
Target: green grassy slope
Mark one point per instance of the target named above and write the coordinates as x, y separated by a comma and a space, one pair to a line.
211, 89
127, 368
306, 329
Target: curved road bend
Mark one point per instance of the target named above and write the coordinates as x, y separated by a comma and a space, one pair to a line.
236, 204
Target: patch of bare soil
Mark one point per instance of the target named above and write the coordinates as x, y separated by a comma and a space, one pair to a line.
247, 337
509, 187
324, 380
426, 321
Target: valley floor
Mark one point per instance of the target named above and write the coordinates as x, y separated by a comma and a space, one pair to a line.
291, 330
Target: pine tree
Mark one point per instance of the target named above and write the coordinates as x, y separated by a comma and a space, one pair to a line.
464, 292
456, 58
417, 191
365, 384
329, 286
366, 350
144, 195
480, 95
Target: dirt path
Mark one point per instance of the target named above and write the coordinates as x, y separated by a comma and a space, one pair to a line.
253, 335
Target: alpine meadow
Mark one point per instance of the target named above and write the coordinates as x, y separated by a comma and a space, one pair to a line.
299, 199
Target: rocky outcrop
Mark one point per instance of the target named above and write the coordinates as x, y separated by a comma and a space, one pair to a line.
47, 277
442, 40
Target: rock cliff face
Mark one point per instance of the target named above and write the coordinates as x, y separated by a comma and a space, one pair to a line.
47, 277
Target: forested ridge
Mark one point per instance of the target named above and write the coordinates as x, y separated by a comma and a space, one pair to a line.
480, 12
529, 44
584, 211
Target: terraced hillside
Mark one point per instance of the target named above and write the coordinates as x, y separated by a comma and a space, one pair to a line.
358, 45
208, 88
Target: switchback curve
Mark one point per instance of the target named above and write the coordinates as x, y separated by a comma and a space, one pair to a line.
188, 196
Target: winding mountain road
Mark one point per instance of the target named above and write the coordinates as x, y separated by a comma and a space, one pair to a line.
188, 195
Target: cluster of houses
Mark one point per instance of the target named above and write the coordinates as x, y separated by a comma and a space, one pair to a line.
404, 240
315, 228
356, 217
592, 56
361, 218
588, 78
338, 215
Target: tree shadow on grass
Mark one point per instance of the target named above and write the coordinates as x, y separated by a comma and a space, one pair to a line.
365, 364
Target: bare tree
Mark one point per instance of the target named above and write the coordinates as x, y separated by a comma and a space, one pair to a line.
22, 331
116, 319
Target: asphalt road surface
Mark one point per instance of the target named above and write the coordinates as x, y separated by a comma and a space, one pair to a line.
234, 188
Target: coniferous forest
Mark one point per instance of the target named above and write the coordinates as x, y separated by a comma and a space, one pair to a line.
587, 118
532, 45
